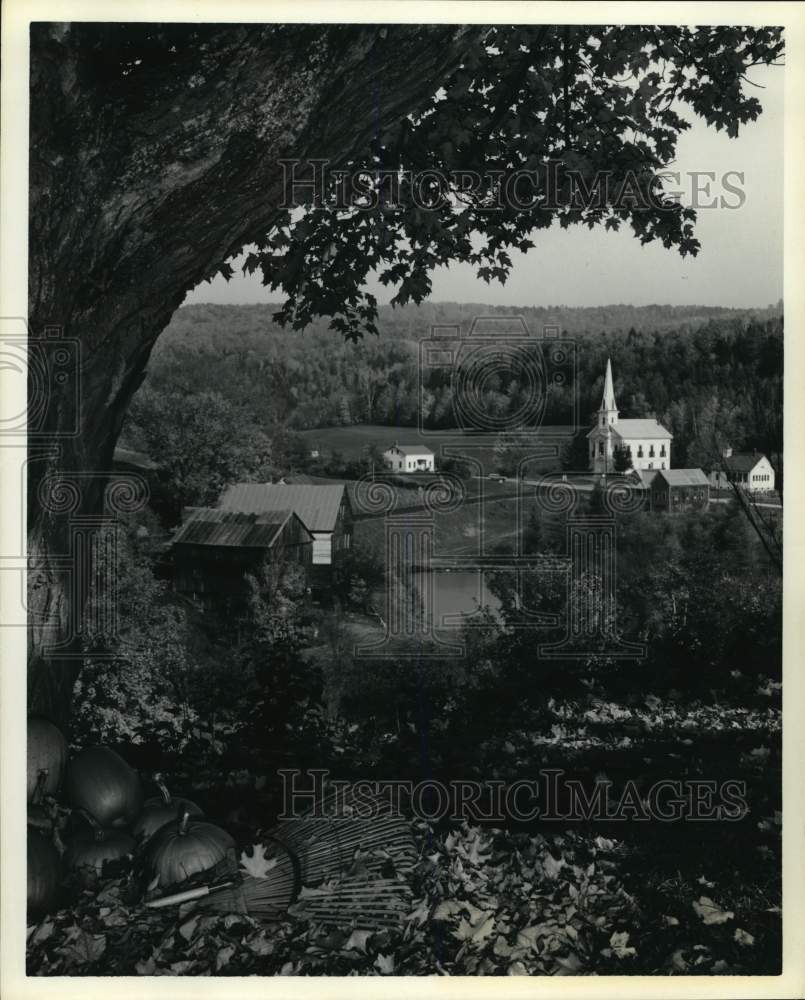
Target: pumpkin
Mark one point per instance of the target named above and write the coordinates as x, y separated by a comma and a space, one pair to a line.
102, 783
47, 755
187, 848
44, 876
161, 810
89, 850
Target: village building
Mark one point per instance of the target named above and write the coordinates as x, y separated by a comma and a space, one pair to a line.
214, 551
409, 458
323, 509
754, 472
678, 490
646, 442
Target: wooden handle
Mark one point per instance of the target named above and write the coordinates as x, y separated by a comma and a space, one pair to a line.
186, 896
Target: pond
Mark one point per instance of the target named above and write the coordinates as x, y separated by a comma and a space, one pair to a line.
460, 592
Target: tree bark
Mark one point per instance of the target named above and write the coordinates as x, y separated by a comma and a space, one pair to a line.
153, 158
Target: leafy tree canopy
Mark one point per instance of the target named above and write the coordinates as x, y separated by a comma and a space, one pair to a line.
560, 103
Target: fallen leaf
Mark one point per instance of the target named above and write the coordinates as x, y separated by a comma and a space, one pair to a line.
188, 928
710, 912
744, 937
449, 908
475, 932
619, 943
42, 932
258, 865
223, 957
357, 941
551, 866
570, 965
385, 965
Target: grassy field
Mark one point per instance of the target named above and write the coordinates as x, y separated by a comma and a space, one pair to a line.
351, 441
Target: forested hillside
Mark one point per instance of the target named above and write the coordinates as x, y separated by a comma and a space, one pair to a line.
712, 376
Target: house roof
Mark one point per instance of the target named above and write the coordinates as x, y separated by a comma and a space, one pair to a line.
740, 462
630, 430
647, 476
641, 429
316, 506
410, 449
205, 526
684, 477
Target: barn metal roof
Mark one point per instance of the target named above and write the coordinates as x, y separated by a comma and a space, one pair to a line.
225, 528
684, 477
316, 506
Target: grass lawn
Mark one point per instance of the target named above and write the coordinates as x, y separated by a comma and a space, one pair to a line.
352, 440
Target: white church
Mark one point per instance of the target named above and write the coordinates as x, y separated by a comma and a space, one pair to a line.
647, 442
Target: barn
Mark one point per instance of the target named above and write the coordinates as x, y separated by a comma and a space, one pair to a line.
214, 550
676, 490
323, 509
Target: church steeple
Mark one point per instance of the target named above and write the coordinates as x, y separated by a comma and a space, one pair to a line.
608, 411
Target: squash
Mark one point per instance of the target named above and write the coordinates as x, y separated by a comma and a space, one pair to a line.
47, 755
161, 810
89, 850
44, 876
102, 783
187, 848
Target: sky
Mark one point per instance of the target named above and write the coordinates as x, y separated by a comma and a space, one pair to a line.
740, 263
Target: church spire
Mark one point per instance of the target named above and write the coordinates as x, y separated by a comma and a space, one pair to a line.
608, 402
608, 410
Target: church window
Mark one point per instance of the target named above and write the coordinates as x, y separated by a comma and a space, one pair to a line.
600, 447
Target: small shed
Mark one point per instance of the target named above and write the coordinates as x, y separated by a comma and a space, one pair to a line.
676, 490
214, 550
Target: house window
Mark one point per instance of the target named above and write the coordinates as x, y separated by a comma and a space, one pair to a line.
651, 465
662, 466
662, 452
651, 451
640, 451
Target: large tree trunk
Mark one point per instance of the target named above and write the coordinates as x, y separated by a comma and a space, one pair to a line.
144, 177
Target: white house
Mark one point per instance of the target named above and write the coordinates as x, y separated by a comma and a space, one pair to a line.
754, 472
647, 442
409, 458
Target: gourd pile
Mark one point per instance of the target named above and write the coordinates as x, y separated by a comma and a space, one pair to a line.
89, 812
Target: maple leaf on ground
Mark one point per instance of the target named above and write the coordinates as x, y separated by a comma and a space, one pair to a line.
83, 948
710, 912
551, 866
476, 932
385, 965
357, 941
223, 957
619, 944
257, 865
